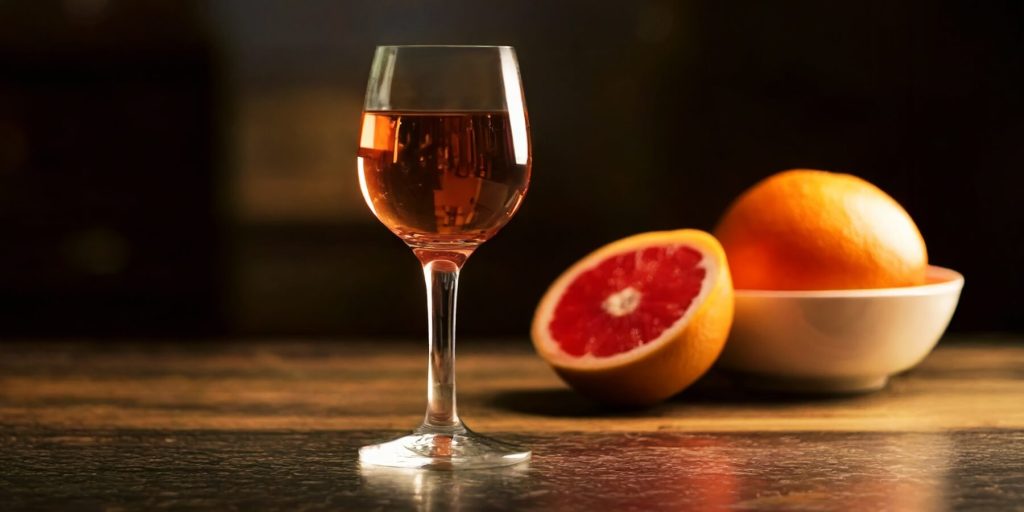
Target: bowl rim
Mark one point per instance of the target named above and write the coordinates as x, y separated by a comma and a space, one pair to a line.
941, 279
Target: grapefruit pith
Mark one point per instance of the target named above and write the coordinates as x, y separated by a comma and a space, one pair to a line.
640, 319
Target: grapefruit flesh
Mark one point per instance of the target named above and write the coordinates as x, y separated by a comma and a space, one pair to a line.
627, 300
638, 320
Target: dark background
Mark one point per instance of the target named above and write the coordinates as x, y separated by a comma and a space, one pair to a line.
187, 168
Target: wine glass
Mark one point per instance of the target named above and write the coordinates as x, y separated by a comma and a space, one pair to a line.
444, 162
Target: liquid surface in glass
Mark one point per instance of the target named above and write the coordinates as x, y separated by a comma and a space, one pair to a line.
442, 179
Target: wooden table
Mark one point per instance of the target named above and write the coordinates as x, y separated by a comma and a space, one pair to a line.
258, 425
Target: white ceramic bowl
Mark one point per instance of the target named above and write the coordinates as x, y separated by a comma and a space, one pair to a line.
838, 341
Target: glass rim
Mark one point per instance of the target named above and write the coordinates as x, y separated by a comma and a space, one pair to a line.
400, 46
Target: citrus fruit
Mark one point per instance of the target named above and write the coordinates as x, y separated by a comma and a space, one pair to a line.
815, 230
638, 320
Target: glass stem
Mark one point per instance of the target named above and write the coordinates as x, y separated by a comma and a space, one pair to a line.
442, 278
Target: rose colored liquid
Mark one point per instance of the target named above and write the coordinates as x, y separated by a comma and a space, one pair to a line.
442, 180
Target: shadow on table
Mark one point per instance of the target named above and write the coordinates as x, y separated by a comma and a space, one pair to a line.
714, 389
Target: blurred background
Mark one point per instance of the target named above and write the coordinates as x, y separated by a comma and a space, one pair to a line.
187, 168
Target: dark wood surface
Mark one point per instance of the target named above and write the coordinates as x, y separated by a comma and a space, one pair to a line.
276, 425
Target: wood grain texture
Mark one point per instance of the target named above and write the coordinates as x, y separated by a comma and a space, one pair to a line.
502, 386
276, 426
652, 471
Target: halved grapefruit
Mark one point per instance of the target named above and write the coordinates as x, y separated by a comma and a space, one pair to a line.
640, 319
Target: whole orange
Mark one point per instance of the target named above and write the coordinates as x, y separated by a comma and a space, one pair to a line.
804, 229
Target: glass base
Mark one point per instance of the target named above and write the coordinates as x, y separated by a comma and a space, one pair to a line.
443, 449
